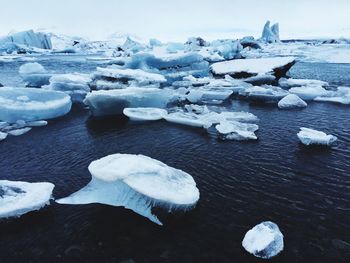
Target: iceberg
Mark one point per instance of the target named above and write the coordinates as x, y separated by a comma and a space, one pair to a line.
341, 95
113, 102
145, 114
271, 34
250, 42
264, 240
234, 130
18, 198
291, 83
291, 101
34, 74
227, 49
29, 39
309, 92
75, 85
30, 104
139, 183
309, 136
244, 68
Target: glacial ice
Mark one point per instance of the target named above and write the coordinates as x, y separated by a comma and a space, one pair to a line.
234, 130
309, 92
18, 198
266, 93
239, 68
291, 83
30, 104
145, 114
291, 101
270, 34
34, 74
341, 95
113, 102
75, 85
227, 49
264, 240
139, 183
29, 39
309, 136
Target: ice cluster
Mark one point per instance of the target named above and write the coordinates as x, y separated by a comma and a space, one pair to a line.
310, 136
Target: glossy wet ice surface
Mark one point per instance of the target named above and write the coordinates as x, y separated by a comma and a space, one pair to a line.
306, 191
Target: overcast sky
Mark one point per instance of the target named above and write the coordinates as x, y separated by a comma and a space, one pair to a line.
177, 19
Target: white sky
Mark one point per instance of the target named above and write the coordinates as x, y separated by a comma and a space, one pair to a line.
177, 19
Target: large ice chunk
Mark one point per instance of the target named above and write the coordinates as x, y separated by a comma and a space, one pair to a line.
75, 85
291, 101
266, 93
309, 92
28, 38
291, 83
34, 74
139, 183
264, 240
234, 130
113, 102
242, 68
30, 104
145, 114
341, 95
18, 198
309, 136
271, 34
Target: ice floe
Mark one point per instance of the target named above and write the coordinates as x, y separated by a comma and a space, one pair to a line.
145, 114
30, 104
291, 101
309, 136
266, 93
291, 83
264, 240
34, 74
139, 183
340, 95
18, 198
309, 92
234, 130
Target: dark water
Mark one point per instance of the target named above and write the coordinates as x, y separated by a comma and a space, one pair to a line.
306, 191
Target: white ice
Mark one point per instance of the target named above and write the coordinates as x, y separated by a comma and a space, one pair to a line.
266, 93
309, 136
309, 92
291, 101
341, 95
34, 74
264, 240
234, 130
18, 132
139, 183
145, 114
18, 198
30, 104
28, 38
251, 66
291, 83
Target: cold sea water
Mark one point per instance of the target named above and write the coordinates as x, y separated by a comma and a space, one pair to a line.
305, 190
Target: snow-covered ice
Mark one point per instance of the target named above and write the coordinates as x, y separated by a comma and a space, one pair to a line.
291, 83
34, 74
73, 84
30, 104
139, 183
234, 130
266, 93
264, 240
341, 95
291, 101
309, 92
309, 136
145, 114
18, 198
251, 67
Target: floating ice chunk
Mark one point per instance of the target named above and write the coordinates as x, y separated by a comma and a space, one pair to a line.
18, 198
145, 114
3, 135
28, 38
34, 74
309, 92
250, 42
309, 136
240, 116
228, 49
234, 130
271, 34
264, 94
185, 118
42, 104
18, 132
113, 102
264, 240
240, 68
291, 101
36, 123
341, 95
207, 94
291, 83
139, 183
75, 85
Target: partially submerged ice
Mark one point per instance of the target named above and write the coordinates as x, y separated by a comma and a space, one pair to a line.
266, 93
234, 130
113, 102
309, 92
309, 136
271, 34
244, 68
29, 39
145, 114
291, 83
341, 95
291, 101
73, 84
30, 104
139, 183
34, 74
18, 198
264, 240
